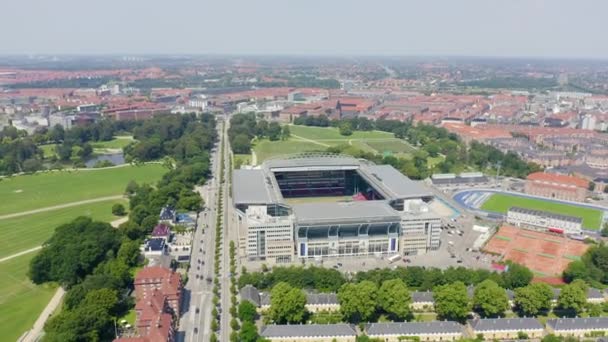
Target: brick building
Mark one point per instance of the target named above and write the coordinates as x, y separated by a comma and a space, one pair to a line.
151, 280
556, 186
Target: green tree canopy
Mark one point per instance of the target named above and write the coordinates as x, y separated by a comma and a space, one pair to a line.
489, 299
573, 297
395, 299
533, 299
358, 301
287, 304
452, 301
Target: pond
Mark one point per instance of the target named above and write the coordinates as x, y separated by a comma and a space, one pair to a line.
114, 158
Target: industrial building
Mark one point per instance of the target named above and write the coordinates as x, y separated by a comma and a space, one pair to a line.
545, 221
317, 205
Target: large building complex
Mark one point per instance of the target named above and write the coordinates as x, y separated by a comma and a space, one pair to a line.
318, 205
556, 186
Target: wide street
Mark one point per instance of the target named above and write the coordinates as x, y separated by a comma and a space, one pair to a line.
198, 295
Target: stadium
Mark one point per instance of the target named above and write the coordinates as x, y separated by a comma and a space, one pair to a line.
316, 205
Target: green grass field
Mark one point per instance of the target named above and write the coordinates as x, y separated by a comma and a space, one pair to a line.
241, 159
500, 203
265, 149
331, 133
116, 143
20, 300
28, 192
48, 150
391, 146
25, 232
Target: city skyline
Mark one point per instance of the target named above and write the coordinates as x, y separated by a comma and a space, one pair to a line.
538, 29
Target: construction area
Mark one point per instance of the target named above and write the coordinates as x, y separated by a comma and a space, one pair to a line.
546, 254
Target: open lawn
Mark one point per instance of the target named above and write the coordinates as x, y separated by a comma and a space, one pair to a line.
20, 300
265, 149
116, 143
25, 232
28, 192
240, 159
392, 146
48, 150
500, 203
331, 133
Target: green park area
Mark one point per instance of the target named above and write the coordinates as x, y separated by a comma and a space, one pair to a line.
24, 232
29, 192
500, 203
20, 300
265, 149
116, 143
331, 133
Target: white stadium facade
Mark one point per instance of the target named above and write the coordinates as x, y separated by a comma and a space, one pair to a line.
318, 205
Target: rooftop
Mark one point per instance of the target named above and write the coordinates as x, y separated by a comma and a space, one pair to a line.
559, 179
590, 323
413, 328
547, 214
344, 211
308, 330
505, 324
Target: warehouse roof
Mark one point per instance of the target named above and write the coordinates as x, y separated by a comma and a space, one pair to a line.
547, 214
413, 328
590, 323
505, 324
308, 330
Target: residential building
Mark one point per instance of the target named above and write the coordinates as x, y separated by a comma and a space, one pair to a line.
578, 327
556, 186
425, 331
505, 328
151, 280
309, 332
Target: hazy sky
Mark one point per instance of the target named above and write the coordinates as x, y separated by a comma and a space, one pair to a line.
551, 28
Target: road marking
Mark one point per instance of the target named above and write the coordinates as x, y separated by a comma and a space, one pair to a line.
20, 253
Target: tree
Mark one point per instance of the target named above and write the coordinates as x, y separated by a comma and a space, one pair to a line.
248, 333
286, 133
591, 186
241, 144
129, 252
345, 128
576, 270
131, 188
517, 276
247, 311
118, 210
604, 231
394, 298
287, 304
358, 301
489, 299
573, 297
452, 301
106, 299
533, 299
274, 131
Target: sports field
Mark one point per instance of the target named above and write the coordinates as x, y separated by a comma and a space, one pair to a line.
28, 192
393, 146
25, 232
20, 301
500, 203
546, 254
331, 133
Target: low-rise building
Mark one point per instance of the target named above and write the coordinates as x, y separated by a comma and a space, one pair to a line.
316, 302
309, 332
544, 220
425, 331
578, 327
505, 328
422, 300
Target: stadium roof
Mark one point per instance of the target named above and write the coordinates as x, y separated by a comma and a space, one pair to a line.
311, 161
251, 187
344, 211
393, 183
307, 330
547, 214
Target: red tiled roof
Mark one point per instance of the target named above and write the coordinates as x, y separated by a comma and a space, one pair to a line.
560, 179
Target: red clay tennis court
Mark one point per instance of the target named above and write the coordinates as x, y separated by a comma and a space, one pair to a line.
546, 254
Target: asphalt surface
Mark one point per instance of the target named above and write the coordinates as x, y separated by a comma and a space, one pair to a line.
198, 295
